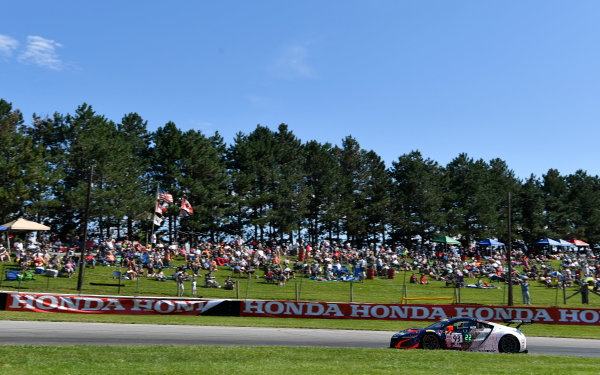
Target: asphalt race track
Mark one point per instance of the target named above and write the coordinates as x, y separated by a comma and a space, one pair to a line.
59, 333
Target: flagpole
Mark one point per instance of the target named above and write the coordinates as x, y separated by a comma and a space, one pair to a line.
177, 232
153, 215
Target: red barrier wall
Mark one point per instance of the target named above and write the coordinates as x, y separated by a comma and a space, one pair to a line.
104, 305
325, 310
289, 309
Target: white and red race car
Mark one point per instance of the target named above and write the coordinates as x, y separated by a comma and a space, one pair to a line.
467, 334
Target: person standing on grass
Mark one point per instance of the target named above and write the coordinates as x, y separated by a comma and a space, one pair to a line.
525, 291
178, 276
4, 255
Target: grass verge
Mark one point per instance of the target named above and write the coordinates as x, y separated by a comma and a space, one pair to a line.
271, 360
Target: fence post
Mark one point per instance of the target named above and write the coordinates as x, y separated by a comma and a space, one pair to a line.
120, 278
3, 273
351, 291
248, 285
564, 294
237, 289
296, 285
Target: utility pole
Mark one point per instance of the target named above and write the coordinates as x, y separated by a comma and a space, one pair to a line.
509, 254
85, 230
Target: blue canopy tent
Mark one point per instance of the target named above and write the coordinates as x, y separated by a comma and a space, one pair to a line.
2, 229
548, 242
565, 243
490, 242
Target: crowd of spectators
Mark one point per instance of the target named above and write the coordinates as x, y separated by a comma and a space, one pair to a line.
277, 263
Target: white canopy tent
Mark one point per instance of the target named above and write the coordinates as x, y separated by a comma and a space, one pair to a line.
22, 225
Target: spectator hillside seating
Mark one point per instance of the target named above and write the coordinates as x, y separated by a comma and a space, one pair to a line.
359, 273
51, 273
11, 275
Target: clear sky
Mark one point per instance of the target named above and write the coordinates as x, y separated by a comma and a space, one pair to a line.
518, 80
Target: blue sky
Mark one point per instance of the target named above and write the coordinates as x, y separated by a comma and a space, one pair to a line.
517, 80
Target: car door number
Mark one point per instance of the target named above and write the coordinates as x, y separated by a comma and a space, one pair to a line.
456, 339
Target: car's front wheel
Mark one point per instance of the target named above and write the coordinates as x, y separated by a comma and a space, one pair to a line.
430, 342
509, 344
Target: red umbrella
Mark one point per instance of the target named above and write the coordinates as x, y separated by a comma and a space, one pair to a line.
579, 243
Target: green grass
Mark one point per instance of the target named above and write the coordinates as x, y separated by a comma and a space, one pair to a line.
275, 360
380, 290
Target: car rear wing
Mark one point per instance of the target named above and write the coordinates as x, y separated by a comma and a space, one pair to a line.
519, 322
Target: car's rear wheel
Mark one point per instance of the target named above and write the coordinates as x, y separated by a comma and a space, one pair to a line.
430, 342
509, 344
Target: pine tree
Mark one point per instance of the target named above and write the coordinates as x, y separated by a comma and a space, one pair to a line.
418, 198
22, 168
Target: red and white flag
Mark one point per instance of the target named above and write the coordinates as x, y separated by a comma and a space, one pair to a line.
161, 207
164, 196
186, 208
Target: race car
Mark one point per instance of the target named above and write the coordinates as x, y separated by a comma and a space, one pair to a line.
467, 334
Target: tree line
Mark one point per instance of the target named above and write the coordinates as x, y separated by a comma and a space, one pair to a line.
270, 185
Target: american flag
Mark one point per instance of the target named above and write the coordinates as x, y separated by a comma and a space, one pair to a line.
164, 196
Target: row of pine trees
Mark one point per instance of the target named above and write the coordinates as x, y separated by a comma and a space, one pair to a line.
270, 185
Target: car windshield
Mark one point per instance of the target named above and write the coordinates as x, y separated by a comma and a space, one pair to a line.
438, 325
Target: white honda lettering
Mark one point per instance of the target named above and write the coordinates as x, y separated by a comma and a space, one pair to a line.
158, 306
314, 309
438, 313
254, 307
183, 306
484, 313
292, 308
113, 304
143, 304
568, 315
68, 303
523, 314
424, 313
398, 312
379, 315
269, 308
465, 312
52, 302
502, 313
333, 310
22, 301
360, 311
583, 315
91, 304
542, 314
